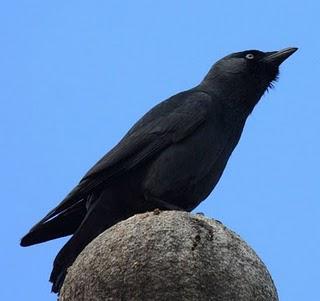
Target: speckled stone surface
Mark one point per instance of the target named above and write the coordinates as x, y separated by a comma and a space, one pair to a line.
168, 255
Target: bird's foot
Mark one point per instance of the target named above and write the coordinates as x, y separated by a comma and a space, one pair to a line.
165, 205
157, 203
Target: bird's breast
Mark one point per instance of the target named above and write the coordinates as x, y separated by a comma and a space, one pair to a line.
190, 169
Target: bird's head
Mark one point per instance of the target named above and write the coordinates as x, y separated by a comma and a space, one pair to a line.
245, 76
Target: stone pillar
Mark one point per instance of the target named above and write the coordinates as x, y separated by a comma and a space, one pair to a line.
168, 255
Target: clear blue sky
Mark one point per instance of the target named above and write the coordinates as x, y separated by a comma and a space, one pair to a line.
75, 75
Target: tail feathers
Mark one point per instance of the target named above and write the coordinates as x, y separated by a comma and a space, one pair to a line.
98, 218
66, 223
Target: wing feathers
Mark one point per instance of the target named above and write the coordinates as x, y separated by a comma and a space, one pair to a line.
167, 123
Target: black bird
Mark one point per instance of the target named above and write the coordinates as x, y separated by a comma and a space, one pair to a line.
172, 158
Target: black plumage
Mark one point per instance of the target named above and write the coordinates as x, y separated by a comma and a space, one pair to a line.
172, 158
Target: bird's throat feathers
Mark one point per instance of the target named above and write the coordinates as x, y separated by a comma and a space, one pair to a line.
238, 89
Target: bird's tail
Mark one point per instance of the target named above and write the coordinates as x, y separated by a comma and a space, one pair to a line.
100, 216
65, 223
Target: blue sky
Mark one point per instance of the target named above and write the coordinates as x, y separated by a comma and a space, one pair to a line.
75, 75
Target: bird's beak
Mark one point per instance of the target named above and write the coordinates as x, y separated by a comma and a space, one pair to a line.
277, 57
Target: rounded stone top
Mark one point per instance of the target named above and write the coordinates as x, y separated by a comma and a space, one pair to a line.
168, 255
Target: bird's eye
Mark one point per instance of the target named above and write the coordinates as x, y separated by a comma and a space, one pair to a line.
249, 56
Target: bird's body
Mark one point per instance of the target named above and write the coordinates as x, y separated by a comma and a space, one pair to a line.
172, 158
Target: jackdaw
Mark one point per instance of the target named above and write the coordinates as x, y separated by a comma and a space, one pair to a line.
172, 158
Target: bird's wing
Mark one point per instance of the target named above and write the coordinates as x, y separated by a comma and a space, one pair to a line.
167, 123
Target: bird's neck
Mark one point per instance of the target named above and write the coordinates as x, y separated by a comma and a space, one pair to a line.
232, 94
